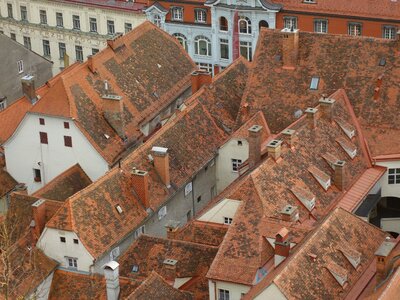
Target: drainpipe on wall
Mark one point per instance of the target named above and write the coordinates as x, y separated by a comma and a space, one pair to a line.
194, 209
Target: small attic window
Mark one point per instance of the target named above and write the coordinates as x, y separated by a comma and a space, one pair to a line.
314, 83
119, 209
240, 143
135, 268
382, 62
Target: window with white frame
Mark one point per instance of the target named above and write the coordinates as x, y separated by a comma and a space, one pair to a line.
224, 48
394, 176
236, 164
244, 25
20, 66
354, 29
110, 27
200, 15
182, 39
162, 212
290, 22
227, 220
3, 104
223, 294
389, 32
139, 231
202, 46
320, 26
157, 20
205, 67
72, 262
177, 13
76, 22
246, 50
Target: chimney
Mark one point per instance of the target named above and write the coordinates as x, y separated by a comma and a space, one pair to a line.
274, 149
39, 216
200, 78
90, 64
326, 105
379, 81
290, 48
161, 163
376, 93
116, 42
169, 270
28, 88
111, 274
289, 137
290, 213
383, 258
172, 228
339, 178
21, 188
254, 145
264, 251
282, 246
140, 182
216, 69
312, 116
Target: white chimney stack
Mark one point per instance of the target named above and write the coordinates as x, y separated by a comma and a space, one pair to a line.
111, 273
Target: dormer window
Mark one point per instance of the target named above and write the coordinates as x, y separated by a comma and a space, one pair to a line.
177, 13
321, 177
348, 147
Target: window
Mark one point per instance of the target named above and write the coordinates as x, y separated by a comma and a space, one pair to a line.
37, 176
244, 25
389, 32
157, 20
321, 26
162, 212
394, 176
24, 13
72, 263
202, 46
27, 42
309, 1
236, 164
114, 253
76, 241
66, 125
205, 67
110, 27
128, 27
135, 269
41, 121
200, 15
67, 141
9, 10
198, 199
94, 51
246, 50
239, 143
43, 138
13, 36
223, 294
182, 39
43, 17
177, 13
46, 48
139, 231
59, 19
223, 24
314, 83
76, 22
290, 22
354, 29
227, 220
93, 24
62, 239
62, 50
79, 53
224, 48
2, 104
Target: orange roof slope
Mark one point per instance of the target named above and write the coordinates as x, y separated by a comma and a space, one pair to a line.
339, 62
7, 183
11, 117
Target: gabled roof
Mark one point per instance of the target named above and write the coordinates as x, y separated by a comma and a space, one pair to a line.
11, 117
7, 182
65, 185
341, 62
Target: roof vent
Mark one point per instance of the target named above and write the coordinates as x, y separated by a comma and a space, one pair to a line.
106, 136
290, 213
135, 269
305, 197
170, 262
348, 147
298, 113
353, 256
330, 159
322, 178
347, 128
382, 62
339, 273
119, 209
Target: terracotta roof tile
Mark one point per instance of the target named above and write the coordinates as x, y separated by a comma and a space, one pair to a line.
11, 117
7, 183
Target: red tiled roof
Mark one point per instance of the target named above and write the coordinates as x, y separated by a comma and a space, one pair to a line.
7, 183
11, 117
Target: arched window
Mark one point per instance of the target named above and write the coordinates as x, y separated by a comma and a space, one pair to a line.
244, 25
263, 24
182, 39
157, 20
202, 46
223, 24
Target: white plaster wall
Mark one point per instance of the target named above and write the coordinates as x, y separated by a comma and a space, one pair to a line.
389, 190
51, 245
225, 209
43, 290
23, 151
391, 224
226, 153
235, 290
271, 292
70, 37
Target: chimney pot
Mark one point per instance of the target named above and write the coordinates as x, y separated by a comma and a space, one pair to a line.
274, 149
28, 88
312, 116
290, 213
340, 175
289, 137
290, 48
282, 246
382, 258
140, 183
254, 140
111, 274
161, 164
172, 227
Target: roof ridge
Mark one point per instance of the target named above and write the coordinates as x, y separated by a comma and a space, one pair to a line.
172, 241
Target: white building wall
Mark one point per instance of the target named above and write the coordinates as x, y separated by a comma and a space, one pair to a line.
236, 291
230, 150
389, 190
51, 245
83, 37
24, 152
43, 290
271, 292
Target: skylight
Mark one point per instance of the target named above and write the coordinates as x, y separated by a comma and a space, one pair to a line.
314, 83
382, 62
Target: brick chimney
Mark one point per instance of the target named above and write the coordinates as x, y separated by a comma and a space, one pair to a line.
264, 251
90, 64
274, 149
326, 105
312, 116
111, 274
290, 48
172, 228
383, 258
169, 270
289, 137
282, 246
290, 213
339, 177
39, 216
116, 42
161, 164
200, 78
28, 88
140, 183
254, 140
